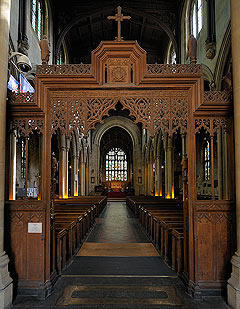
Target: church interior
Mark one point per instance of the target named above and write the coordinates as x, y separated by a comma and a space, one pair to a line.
119, 179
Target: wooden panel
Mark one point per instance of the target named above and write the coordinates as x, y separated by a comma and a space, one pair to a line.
17, 244
34, 256
224, 241
205, 243
25, 249
214, 243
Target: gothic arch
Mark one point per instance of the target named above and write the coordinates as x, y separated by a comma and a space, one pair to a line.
121, 122
222, 57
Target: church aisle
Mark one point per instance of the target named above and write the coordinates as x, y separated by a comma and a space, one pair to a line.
117, 267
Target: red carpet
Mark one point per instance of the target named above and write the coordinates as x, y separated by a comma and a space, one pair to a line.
116, 194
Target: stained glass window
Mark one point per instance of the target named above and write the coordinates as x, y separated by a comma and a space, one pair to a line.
116, 165
172, 55
197, 17
23, 157
207, 161
37, 17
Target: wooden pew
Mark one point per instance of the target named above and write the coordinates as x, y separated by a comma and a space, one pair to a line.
148, 201
160, 217
71, 234
177, 249
61, 245
74, 217
166, 241
99, 201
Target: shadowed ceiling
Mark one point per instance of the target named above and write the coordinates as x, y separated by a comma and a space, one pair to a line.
82, 25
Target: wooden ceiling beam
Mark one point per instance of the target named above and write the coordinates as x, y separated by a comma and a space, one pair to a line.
91, 32
142, 30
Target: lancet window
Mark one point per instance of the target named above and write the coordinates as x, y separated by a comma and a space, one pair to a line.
196, 17
207, 161
37, 18
116, 165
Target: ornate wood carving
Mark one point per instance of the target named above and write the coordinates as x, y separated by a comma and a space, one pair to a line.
34, 217
206, 216
211, 125
201, 206
119, 70
65, 69
219, 97
27, 125
154, 109
16, 217
22, 98
170, 69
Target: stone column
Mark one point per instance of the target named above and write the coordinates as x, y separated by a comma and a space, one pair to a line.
5, 280
63, 172
226, 173
220, 164
157, 174
150, 178
170, 168
75, 176
13, 166
83, 170
234, 281
165, 137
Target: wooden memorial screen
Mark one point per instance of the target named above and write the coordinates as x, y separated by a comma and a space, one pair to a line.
167, 97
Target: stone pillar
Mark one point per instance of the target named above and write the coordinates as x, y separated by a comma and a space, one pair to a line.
5, 280
75, 176
150, 177
226, 173
234, 281
170, 168
83, 170
13, 166
220, 164
166, 164
63, 172
157, 174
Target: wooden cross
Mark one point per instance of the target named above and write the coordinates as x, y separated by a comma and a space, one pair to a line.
119, 18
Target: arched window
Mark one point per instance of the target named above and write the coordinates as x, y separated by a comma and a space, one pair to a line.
207, 160
196, 17
171, 56
37, 17
116, 165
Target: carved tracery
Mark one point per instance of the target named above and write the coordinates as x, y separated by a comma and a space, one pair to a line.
154, 109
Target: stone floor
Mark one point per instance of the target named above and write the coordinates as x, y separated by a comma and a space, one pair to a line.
117, 267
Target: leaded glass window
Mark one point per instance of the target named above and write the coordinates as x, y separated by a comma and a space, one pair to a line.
207, 161
116, 165
197, 17
172, 55
37, 17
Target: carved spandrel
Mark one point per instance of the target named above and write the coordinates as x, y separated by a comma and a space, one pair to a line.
154, 109
26, 126
211, 125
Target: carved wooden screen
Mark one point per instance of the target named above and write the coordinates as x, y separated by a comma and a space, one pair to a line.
153, 108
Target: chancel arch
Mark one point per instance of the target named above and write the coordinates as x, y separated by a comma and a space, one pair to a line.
117, 131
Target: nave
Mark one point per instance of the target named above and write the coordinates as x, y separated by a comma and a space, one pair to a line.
118, 267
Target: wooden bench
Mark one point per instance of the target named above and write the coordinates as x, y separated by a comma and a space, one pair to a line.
74, 217
177, 249
61, 245
166, 241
